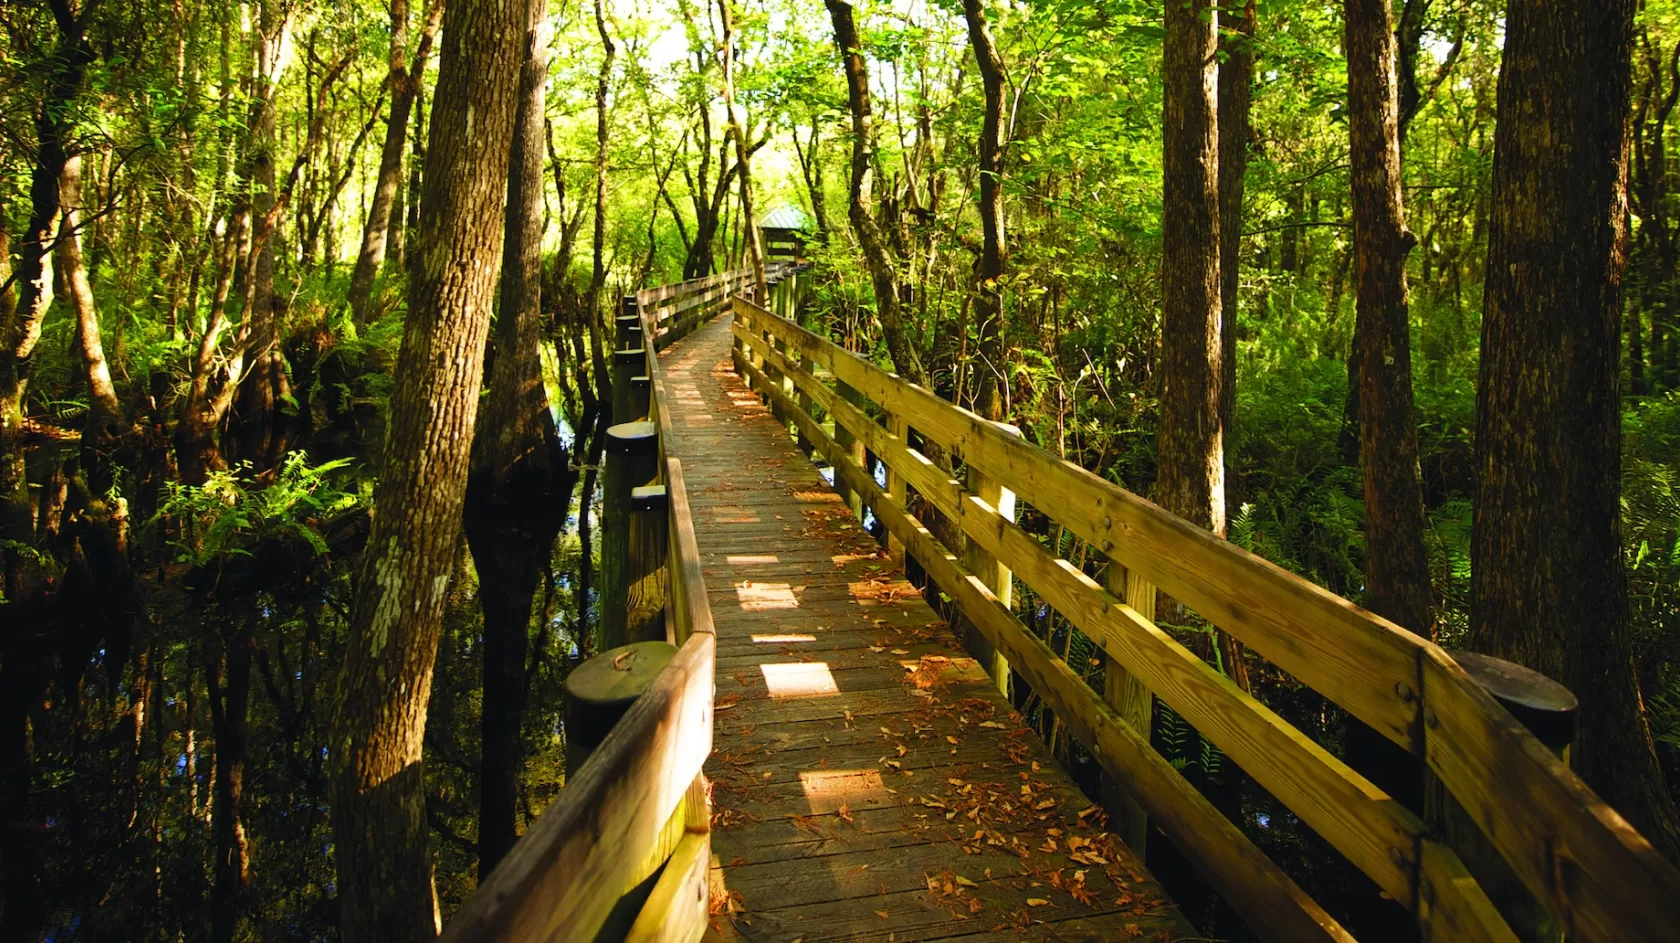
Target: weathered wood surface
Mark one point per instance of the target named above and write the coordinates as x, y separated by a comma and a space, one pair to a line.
1593, 872
868, 779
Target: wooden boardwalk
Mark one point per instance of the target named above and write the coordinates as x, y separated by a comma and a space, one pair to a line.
869, 781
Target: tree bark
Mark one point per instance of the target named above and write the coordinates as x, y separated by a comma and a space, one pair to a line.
405, 85
1548, 584
870, 238
988, 294
519, 481
1190, 481
378, 790
1396, 561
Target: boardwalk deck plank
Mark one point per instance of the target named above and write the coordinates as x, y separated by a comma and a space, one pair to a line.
870, 783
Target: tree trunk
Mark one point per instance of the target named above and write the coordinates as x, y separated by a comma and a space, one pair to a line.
1235, 94
1190, 481
378, 788
1236, 75
755, 241
405, 85
988, 295
260, 433
1396, 562
103, 427
1549, 588
230, 702
416, 166
519, 482
870, 238
603, 128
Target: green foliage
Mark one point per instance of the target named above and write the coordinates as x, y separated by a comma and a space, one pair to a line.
230, 511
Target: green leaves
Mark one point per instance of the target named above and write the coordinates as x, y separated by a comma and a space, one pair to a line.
230, 512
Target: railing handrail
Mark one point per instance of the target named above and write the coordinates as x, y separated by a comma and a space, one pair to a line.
1589, 868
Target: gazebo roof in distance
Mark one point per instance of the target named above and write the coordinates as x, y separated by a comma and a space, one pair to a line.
786, 216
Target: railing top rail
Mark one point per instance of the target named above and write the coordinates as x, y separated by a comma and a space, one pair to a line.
1583, 861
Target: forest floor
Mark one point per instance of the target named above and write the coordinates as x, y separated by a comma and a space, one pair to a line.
870, 782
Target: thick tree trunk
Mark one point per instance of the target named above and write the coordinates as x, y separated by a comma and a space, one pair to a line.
871, 239
1190, 481
405, 85
988, 295
1396, 562
1549, 588
519, 480
378, 788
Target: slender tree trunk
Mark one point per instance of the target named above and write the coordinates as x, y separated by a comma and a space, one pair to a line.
1190, 481
749, 219
104, 419
260, 433
871, 239
1236, 75
1396, 562
416, 167
519, 481
378, 788
405, 85
988, 294
603, 129
1235, 94
1549, 588
230, 702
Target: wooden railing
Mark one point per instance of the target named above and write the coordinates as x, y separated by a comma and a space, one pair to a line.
628, 840
1591, 871
672, 311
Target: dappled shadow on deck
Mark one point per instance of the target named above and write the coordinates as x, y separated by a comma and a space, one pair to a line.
869, 781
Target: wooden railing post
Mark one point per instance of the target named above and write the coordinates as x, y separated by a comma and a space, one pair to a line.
1135, 705
632, 454
1551, 712
896, 486
641, 398
650, 508
991, 571
854, 449
628, 324
627, 365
